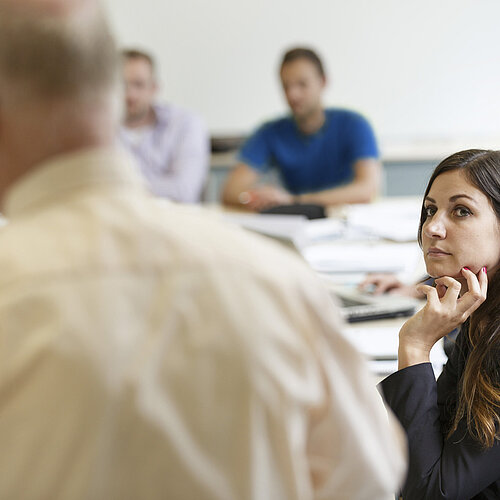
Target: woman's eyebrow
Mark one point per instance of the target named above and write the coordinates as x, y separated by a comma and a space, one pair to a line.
457, 196
452, 198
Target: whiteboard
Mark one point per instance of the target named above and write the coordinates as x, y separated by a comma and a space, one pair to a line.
419, 71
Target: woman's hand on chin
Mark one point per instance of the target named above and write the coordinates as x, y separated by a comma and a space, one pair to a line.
444, 311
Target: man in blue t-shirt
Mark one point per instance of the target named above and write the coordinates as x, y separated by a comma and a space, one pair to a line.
323, 156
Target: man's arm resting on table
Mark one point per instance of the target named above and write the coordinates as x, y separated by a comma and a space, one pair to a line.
241, 179
240, 189
363, 189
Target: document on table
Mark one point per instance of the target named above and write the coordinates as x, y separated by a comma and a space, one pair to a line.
368, 257
380, 346
392, 219
295, 228
376, 343
288, 227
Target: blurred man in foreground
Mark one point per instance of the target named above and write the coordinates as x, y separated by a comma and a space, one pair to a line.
148, 351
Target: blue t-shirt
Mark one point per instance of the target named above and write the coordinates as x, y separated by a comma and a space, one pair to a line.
308, 163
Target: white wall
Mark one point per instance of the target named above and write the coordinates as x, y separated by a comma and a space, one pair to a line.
420, 71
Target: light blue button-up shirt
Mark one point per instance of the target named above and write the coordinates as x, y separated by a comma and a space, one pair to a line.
173, 154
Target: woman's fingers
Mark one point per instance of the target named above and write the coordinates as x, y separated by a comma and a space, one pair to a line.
431, 294
453, 288
476, 294
441, 290
483, 281
445, 308
444, 311
446, 296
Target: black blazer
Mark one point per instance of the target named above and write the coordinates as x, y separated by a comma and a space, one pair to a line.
456, 468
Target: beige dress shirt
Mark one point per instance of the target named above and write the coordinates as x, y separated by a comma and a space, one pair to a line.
149, 351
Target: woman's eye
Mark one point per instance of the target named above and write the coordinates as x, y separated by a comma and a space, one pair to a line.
430, 211
462, 212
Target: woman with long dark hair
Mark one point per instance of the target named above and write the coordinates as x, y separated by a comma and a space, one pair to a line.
453, 425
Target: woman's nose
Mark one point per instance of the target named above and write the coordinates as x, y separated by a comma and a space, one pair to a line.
435, 227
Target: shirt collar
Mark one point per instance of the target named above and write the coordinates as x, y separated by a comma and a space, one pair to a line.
67, 172
320, 131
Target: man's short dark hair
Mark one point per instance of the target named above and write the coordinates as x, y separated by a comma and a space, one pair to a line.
128, 54
304, 53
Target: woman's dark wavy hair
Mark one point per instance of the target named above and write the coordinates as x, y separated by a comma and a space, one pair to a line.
479, 387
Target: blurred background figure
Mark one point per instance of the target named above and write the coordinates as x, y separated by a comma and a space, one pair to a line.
324, 156
170, 144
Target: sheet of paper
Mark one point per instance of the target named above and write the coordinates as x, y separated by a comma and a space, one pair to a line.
376, 343
324, 229
380, 346
334, 257
392, 219
279, 226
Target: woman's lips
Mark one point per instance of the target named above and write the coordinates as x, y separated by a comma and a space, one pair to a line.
437, 252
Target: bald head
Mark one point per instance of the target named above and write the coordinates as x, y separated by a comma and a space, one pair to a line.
53, 49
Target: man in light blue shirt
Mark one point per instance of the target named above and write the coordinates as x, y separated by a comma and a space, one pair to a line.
323, 156
170, 144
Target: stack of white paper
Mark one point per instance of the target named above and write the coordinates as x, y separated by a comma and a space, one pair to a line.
288, 227
395, 220
380, 346
323, 229
369, 257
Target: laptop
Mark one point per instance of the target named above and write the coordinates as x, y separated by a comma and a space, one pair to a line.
357, 306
